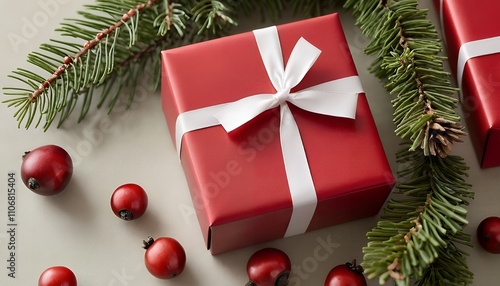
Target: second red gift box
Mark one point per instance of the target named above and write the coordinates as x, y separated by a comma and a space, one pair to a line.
472, 33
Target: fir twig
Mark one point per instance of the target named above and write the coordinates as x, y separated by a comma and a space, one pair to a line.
89, 45
110, 34
215, 15
119, 37
420, 232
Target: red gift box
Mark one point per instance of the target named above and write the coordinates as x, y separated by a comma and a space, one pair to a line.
471, 30
238, 182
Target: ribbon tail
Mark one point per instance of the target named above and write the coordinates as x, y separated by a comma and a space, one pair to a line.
194, 120
299, 176
269, 46
239, 112
335, 98
336, 104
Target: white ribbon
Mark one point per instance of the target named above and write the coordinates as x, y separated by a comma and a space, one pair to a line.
333, 98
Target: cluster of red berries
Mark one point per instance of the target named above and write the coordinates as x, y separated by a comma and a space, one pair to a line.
271, 267
47, 171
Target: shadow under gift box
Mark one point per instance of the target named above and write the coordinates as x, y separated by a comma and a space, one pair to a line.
466, 22
237, 180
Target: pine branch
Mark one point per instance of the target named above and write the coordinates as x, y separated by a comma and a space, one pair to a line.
119, 38
419, 233
111, 36
428, 220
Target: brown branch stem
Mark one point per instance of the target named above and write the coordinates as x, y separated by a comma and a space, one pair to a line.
403, 42
89, 45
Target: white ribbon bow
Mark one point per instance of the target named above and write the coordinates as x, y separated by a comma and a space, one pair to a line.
333, 98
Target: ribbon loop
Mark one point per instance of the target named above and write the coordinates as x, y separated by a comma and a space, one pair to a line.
270, 50
302, 58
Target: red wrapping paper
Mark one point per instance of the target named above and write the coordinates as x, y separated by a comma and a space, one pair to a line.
463, 22
237, 180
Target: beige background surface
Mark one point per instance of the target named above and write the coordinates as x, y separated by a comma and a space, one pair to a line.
77, 227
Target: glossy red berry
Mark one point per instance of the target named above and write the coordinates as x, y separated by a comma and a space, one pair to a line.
165, 257
348, 274
57, 276
129, 201
488, 234
268, 267
47, 170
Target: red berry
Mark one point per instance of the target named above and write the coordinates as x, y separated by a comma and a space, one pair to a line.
129, 201
47, 170
165, 257
57, 276
348, 274
268, 267
488, 234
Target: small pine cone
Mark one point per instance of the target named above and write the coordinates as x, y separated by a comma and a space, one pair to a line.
441, 134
